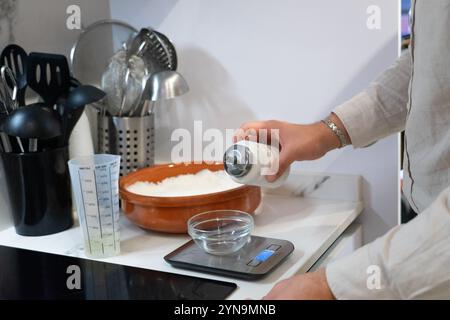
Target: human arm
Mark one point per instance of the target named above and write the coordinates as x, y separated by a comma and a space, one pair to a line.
298, 142
412, 262
381, 109
378, 111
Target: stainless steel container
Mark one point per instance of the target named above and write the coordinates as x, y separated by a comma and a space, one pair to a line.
132, 138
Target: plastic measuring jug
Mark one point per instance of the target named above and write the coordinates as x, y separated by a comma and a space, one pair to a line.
95, 184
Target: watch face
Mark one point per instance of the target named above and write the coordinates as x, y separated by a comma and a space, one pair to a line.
236, 160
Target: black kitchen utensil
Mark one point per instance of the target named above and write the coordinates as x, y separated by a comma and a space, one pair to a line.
4, 138
72, 108
48, 75
39, 191
34, 122
5, 143
74, 82
16, 58
83, 95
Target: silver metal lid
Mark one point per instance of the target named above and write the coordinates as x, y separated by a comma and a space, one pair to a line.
236, 160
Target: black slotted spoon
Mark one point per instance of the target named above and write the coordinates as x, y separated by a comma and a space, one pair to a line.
48, 75
16, 59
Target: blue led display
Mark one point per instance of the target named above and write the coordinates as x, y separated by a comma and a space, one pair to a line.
264, 255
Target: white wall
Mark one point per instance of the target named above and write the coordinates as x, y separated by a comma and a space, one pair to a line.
40, 25
292, 60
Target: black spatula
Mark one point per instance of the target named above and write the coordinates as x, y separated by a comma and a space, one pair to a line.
48, 75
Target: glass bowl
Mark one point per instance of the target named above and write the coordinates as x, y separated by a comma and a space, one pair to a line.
221, 232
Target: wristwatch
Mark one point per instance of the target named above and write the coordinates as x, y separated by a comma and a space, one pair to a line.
338, 132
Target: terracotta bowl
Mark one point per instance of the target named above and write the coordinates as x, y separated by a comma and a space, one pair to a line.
170, 214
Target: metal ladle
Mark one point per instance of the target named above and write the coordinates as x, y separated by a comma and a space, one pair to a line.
164, 85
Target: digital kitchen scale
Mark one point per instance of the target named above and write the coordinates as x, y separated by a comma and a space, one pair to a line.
255, 260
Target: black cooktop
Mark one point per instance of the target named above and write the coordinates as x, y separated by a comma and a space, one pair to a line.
26, 274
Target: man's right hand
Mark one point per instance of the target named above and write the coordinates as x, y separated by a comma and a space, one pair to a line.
297, 142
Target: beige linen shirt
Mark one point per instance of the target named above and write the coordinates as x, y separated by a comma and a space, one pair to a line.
414, 94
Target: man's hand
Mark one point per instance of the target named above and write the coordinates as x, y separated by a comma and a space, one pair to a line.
308, 286
297, 142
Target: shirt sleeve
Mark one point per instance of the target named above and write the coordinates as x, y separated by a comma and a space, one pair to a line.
381, 109
412, 261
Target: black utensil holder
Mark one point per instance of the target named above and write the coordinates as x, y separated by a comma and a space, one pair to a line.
39, 191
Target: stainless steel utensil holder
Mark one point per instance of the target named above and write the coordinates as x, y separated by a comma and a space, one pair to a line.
132, 138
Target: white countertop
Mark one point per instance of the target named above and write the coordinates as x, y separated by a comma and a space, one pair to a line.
311, 211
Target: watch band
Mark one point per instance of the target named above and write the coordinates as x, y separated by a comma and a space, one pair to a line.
338, 132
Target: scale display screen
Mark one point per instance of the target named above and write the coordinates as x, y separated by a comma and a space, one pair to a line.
264, 255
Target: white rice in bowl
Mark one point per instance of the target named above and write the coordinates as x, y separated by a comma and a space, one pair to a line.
203, 182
